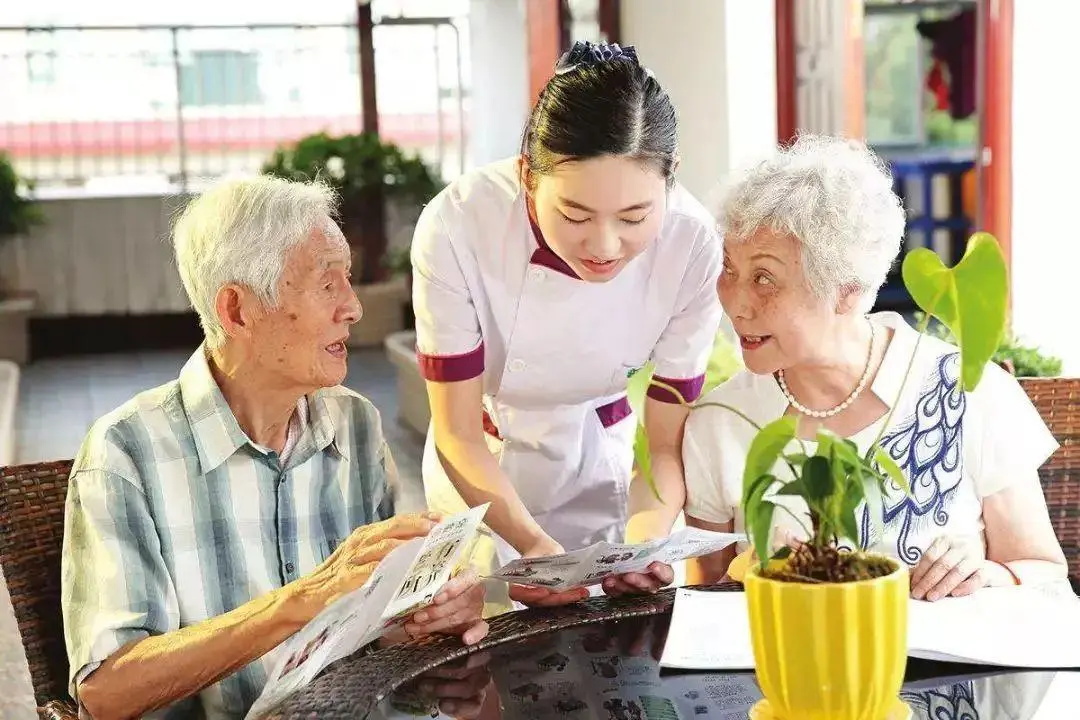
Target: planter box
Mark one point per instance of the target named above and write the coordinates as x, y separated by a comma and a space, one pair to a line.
15, 314
384, 312
413, 409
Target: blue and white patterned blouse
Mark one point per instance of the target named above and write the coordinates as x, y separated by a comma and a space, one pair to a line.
955, 448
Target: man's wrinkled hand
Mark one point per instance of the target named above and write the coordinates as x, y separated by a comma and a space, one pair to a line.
355, 559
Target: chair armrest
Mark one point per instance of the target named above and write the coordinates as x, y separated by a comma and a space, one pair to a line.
58, 710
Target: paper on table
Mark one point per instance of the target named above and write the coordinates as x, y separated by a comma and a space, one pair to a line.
1028, 627
407, 578
589, 566
709, 630
1010, 626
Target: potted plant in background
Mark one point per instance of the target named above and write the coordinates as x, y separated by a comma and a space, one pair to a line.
376, 180
18, 215
828, 625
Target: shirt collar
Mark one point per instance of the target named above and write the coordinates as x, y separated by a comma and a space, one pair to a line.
218, 435
544, 255
890, 375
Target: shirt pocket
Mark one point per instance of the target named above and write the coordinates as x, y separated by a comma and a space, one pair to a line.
620, 377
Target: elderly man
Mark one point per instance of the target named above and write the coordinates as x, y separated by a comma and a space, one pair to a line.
209, 519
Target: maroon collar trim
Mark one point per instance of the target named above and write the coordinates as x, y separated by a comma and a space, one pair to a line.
544, 255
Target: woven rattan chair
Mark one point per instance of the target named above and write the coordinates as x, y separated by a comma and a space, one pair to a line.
32, 525
1058, 401
31, 534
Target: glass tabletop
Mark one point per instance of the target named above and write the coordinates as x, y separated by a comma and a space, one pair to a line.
611, 671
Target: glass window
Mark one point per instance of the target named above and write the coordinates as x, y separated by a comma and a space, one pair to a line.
220, 77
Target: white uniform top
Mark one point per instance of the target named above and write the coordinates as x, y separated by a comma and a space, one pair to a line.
555, 352
954, 448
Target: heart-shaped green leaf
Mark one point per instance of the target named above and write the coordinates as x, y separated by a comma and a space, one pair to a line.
969, 299
849, 525
892, 469
765, 450
817, 480
637, 387
766, 447
724, 361
643, 460
871, 486
758, 513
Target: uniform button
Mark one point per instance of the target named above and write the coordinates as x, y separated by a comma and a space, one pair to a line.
517, 365
289, 567
536, 274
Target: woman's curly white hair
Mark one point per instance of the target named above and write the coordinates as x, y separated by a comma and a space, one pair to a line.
836, 197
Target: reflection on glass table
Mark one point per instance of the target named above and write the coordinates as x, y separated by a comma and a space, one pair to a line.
611, 671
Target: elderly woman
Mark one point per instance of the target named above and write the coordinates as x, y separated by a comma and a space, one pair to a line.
810, 234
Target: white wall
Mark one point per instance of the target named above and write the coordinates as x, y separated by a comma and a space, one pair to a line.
1045, 234
500, 79
717, 60
114, 255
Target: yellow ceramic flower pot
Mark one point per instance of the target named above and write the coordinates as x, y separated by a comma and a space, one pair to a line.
829, 651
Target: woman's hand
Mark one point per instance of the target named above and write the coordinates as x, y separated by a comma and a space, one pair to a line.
542, 597
955, 566
456, 610
656, 576
457, 689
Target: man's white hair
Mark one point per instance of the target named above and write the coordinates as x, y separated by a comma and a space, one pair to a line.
240, 231
835, 196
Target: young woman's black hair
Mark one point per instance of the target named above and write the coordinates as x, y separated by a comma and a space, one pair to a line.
601, 101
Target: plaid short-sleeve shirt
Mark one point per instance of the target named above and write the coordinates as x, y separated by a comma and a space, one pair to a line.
174, 516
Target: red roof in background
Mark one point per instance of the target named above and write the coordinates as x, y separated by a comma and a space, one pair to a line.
91, 137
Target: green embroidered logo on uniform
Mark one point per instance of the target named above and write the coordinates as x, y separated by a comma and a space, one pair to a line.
632, 371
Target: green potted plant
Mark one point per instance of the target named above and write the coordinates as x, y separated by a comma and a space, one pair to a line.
829, 626
19, 214
368, 173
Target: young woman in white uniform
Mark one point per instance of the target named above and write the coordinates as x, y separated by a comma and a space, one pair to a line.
541, 283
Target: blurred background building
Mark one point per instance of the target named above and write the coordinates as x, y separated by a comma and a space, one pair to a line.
117, 111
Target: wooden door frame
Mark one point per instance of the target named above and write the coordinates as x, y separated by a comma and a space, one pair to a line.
787, 122
995, 107
546, 27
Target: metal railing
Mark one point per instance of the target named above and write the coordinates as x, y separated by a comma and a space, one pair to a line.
166, 107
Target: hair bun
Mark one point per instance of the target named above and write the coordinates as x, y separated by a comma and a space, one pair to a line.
585, 53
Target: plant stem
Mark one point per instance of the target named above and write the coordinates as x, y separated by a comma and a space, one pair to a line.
797, 519
923, 324
724, 406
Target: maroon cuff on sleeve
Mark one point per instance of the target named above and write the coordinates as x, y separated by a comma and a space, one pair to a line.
452, 368
690, 389
614, 412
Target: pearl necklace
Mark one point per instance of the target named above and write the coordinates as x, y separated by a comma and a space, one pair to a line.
847, 401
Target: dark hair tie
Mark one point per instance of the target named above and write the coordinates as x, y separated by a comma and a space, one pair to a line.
584, 53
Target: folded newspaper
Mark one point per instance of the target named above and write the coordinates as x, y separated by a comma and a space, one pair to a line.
406, 580
590, 565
